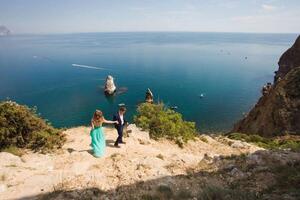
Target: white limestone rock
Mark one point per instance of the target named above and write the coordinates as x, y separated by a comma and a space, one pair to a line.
110, 87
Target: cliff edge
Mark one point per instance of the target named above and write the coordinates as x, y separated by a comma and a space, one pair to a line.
277, 112
140, 160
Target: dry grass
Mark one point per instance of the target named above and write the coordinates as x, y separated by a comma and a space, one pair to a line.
11, 165
142, 166
3, 177
203, 138
160, 156
13, 150
116, 157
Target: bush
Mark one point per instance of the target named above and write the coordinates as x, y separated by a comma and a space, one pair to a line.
164, 123
21, 127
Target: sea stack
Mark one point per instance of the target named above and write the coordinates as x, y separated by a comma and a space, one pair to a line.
149, 96
109, 88
277, 112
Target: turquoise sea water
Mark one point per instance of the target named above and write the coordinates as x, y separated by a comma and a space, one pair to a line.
37, 70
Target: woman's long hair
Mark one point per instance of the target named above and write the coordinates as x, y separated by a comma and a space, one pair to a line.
98, 116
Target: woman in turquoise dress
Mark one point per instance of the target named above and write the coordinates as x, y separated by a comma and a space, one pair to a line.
97, 134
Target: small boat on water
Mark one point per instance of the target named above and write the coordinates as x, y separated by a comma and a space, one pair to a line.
201, 95
174, 107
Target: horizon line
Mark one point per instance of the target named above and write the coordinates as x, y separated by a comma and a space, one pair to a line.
70, 33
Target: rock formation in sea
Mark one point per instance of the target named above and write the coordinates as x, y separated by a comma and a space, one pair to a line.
277, 112
149, 96
4, 31
109, 87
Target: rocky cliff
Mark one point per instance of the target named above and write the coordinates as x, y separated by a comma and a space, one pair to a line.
289, 60
278, 111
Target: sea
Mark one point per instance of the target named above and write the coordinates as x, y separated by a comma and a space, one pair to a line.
212, 79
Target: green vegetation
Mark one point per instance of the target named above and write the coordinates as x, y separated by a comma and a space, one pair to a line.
21, 127
13, 150
164, 123
269, 143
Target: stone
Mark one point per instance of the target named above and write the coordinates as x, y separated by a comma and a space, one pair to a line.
149, 96
238, 145
229, 167
109, 87
237, 173
3, 188
9, 158
254, 159
134, 132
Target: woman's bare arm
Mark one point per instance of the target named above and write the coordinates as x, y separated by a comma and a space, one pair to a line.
92, 124
109, 122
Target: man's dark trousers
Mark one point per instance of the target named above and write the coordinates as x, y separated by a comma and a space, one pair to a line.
119, 128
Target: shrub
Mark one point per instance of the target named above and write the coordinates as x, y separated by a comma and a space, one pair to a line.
21, 127
164, 123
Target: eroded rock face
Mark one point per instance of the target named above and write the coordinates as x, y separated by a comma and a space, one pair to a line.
289, 60
109, 87
278, 111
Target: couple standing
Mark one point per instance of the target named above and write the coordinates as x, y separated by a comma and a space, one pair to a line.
97, 134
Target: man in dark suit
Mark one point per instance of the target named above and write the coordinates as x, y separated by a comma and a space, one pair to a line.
121, 123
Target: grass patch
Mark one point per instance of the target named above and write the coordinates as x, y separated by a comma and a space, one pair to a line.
291, 143
116, 157
162, 122
203, 138
13, 150
22, 127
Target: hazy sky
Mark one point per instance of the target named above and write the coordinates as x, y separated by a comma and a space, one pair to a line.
69, 16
